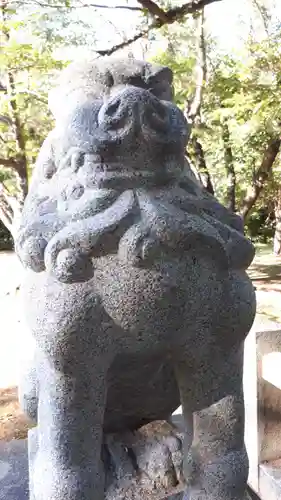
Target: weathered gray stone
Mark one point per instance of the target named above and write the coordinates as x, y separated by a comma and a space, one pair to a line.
136, 293
137, 465
13, 471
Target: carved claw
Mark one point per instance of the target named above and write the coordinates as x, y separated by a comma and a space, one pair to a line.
33, 239
31, 252
73, 160
67, 264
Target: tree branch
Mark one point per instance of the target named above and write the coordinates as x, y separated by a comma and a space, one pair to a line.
82, 6
5, 217
154, 10
201, 71
8, 197
261, 176
172, 15
125, 43
119, 7
229, 168
6, 119
41, 98
9, 209
263, 14
9, 163
33, 94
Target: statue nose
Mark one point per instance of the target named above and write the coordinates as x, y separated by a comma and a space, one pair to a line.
134, 108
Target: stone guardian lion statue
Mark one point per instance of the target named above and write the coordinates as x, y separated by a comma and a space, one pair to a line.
136, 289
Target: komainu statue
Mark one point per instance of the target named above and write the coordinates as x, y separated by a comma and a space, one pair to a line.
136, 294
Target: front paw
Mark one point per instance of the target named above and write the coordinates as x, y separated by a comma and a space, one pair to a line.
66, 264
31, 253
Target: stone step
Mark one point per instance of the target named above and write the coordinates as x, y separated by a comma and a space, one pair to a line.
13, 470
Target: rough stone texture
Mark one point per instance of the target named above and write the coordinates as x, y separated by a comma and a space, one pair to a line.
136, 291
13, 471
143, 464
14, 475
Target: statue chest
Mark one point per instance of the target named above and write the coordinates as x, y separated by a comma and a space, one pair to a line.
159, 300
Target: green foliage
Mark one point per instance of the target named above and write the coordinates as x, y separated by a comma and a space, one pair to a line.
260, 225
180, 56
28, 66
33, 68
247, 93
244, 90
183, 70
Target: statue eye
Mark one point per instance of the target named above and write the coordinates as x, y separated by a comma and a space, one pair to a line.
113, 107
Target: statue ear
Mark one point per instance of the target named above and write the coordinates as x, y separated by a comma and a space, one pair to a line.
160, 80
155, 74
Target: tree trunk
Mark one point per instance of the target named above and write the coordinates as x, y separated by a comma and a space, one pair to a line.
21, 169
260, 177
229, 168
201, 165
10, 210
264, 15
193, 107
277, 234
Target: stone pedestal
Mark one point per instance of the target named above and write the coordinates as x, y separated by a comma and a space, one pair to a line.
262, 391
155, 475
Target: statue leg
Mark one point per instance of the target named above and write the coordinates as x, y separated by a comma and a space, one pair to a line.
70, 428
27, 391
216, 464
182, 375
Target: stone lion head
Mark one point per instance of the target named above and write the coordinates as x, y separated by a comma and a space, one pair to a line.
116, 175
120, 116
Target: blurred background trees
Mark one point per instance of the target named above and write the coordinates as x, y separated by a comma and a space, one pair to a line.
231, 95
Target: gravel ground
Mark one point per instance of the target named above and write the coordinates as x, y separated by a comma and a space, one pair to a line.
14, 339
